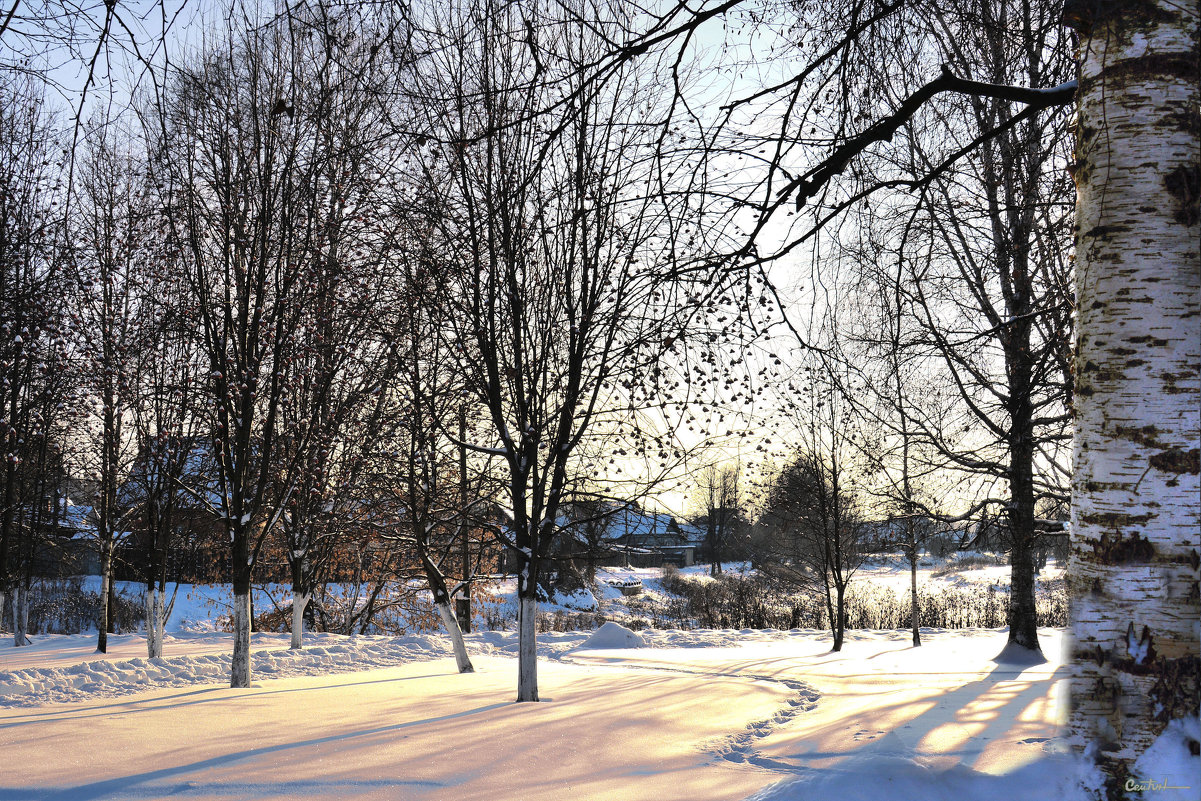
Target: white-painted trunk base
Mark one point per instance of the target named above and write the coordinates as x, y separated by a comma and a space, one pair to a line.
451, 624
21, 617
154, 623
300, 602
527, 650
239, 670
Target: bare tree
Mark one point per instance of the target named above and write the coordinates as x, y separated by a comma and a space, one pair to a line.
719, 497
563, 288
1133, 462
35, 384
115, 236
813, 533
235, 157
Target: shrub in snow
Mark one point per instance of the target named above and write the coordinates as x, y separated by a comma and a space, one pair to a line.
581, 600
70, 606
751, 602
614, 635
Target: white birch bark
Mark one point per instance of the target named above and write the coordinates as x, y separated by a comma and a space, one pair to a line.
300, 602
1133, 570
451, 624
3, 597
527, 650
239, 672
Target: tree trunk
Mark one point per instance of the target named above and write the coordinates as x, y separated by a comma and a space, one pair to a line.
111, 616
1022, 613
1135, 517
915, 617
437, 585
239, 671
451, 623
840, 610
3, 597
154, 622
527, 645
300, 601
21, 616
463, 611
106, 580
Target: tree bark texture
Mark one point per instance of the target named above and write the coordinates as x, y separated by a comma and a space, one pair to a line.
1133, 570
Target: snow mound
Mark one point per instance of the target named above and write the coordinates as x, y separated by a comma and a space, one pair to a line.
1014, 654
85, 681
614, 635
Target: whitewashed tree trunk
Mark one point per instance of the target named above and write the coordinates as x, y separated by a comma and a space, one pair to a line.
239, 672
451, 624
154, 623
300, 602
527, 650
1135, 520
21, 616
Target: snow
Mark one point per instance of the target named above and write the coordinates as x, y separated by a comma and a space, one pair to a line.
666, 714
580, 600
1168, 770
772, 715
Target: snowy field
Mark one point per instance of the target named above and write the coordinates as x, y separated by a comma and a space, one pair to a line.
690, 715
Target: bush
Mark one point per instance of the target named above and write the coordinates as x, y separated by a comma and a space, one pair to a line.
752, 602
63, 606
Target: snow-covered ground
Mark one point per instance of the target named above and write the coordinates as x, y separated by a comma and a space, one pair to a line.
690, 715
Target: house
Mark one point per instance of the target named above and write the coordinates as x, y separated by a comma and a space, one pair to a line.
615, 534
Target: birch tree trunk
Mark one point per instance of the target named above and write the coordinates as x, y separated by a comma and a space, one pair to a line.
1135, 518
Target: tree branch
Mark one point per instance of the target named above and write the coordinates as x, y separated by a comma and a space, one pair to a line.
809, 184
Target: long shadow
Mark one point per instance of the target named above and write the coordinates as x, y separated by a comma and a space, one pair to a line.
135, 705
125, 785
300, 788
999, 718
